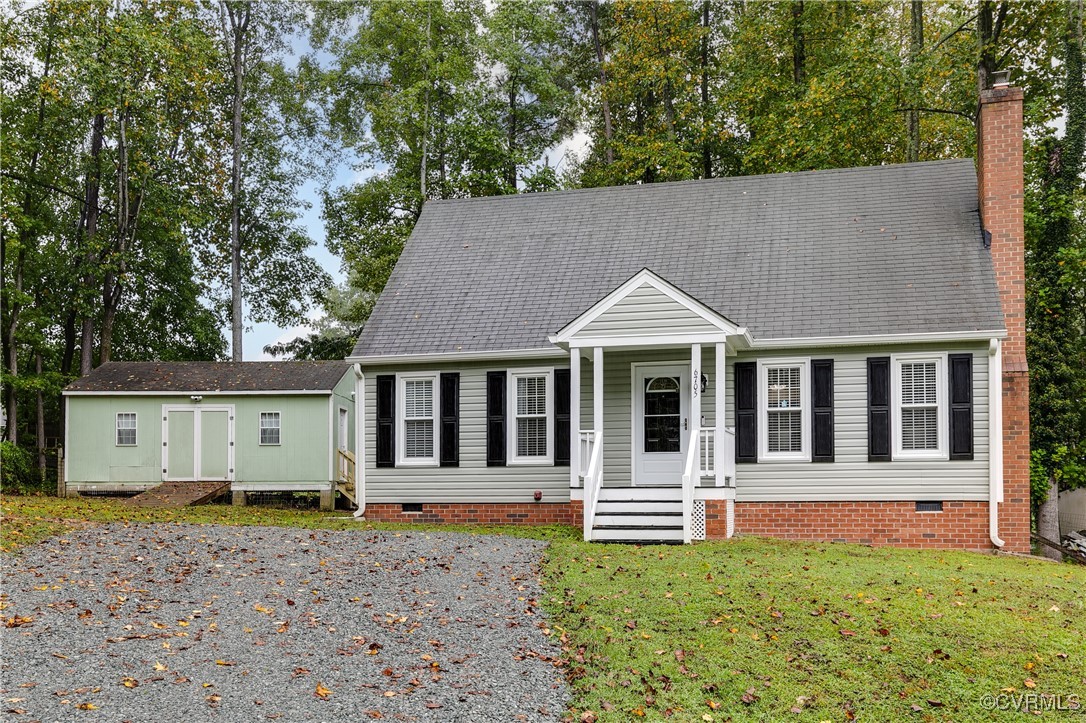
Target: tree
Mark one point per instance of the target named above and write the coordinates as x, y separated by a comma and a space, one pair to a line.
1056, 315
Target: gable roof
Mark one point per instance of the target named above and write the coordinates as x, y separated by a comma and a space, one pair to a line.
292, 376
852, 252
643, 295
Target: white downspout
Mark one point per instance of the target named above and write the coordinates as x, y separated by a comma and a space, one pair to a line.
995, 439
359, 436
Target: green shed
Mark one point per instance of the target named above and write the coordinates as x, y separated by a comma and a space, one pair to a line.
261, 426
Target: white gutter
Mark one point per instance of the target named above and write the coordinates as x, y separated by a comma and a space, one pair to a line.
878, 339
359, 436
995, 439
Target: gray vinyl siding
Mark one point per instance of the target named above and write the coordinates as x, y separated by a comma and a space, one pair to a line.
849, 477
473, 480
646, 310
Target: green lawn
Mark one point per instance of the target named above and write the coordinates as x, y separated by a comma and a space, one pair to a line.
755, 629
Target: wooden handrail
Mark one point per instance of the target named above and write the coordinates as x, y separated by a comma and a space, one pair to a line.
688, 489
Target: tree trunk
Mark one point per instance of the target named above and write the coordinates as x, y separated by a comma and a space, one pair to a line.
68, 356
511, 137
111, 279
594, 18
916, 47
425, 114
90, 256
990, 22
39, 430
799, 49
239, 26
706, 148
1048, 519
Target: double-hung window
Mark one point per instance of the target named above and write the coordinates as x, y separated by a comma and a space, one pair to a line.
417, 440
531, 402
270, 428
126, 429
785, 413
919, 394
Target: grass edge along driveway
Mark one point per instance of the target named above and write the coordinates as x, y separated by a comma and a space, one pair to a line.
756, 629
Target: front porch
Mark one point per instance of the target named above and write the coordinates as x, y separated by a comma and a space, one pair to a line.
650, 442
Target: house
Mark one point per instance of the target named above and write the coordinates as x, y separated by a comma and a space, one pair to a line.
834, 355
262, 426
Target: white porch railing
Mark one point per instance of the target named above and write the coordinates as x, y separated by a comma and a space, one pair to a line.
707, 455
585, 438
690, 472
593, 481
729, 456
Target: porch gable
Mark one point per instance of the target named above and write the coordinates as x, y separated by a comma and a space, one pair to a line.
648, 307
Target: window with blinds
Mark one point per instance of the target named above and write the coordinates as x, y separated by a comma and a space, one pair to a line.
126, 429
530, 407
270, 426
919, 405
784, 409
418, 415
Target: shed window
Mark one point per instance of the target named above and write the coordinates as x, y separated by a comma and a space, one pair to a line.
417, 440
126, 429
531, 405
270, 426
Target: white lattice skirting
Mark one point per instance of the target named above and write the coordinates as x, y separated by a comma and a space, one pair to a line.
697, 521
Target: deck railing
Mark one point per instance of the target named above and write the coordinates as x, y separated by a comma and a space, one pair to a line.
593, 481
346, 467
729, 456
707, 445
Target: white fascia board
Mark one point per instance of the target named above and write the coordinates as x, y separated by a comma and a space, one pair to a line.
878, 339
642, 341
511, 354
194, 393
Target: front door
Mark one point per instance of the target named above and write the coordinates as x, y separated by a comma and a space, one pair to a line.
661, 423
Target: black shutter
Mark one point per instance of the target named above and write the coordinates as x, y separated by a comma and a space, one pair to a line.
961, 405
822, 409
561, 417
495, 419
878, 409
386, 421
450, 419
746, 412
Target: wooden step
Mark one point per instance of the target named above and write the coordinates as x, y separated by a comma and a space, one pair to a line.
179, 494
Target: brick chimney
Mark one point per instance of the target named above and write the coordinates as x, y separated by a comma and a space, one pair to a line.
1002, 207
999, 165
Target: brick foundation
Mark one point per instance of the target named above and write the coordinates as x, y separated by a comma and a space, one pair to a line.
510, 513
961, 525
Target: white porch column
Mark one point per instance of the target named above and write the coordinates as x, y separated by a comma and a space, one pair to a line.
695, 390
597, 390
719, 390
574, 417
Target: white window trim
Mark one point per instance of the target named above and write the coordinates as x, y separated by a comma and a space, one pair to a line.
764, 455
117, 429
259, 437
942, 417
402, 460
511, 434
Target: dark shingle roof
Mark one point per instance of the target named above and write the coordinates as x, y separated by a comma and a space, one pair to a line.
879, 250
211, 377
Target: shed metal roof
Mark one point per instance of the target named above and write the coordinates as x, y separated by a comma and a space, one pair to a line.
882, 250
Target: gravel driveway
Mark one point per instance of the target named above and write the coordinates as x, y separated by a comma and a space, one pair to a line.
158, 622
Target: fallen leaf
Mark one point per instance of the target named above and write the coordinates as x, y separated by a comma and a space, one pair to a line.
1029, 683
87, 706
322, 692
129, 682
